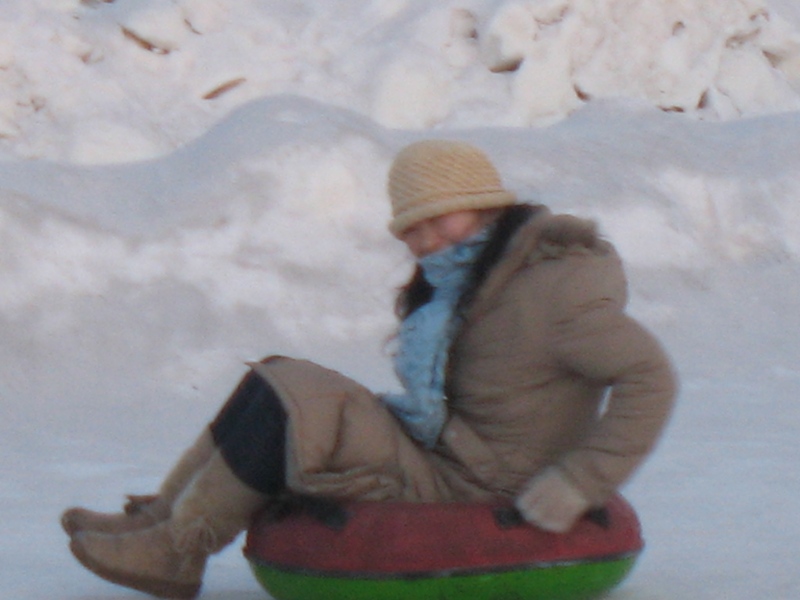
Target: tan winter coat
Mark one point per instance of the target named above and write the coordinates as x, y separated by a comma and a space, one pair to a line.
546, 370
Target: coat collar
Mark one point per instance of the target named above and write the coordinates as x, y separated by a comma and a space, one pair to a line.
545, 236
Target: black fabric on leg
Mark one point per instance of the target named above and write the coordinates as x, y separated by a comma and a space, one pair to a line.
250, 432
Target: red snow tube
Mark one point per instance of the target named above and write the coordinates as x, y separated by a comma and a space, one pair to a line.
404, 551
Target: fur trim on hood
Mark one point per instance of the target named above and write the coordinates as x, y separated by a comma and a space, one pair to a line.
558, 233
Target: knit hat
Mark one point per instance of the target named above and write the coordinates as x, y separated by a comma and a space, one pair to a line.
435, 177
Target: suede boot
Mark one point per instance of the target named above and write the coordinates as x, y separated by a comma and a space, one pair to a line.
144, 511
168, 559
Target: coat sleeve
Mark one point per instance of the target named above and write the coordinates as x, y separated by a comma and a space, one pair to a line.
595, 339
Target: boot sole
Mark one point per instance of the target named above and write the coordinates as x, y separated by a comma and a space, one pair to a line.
148, 585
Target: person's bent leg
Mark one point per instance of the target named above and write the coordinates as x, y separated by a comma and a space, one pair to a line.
246, 469
147, 510
235, 430
168, 560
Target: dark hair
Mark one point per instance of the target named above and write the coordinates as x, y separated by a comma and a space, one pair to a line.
417, 292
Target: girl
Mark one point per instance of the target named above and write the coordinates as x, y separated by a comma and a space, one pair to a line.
524, 379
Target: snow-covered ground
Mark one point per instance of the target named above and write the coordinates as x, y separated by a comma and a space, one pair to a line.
189, 184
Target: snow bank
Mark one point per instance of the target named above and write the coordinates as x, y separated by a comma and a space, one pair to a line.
278, 239
103, 82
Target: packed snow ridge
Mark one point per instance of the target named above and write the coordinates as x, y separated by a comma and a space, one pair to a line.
94, 81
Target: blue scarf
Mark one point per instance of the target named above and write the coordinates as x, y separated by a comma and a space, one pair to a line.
425, 337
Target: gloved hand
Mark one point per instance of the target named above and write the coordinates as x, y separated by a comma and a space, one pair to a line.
551, 502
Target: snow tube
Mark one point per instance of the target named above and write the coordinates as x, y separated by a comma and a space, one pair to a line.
405, 551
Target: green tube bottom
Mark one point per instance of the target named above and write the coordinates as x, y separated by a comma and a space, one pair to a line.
575, 581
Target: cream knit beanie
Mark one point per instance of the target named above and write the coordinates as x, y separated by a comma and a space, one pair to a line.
435, 177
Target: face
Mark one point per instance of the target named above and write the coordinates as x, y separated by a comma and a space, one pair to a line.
437, 233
